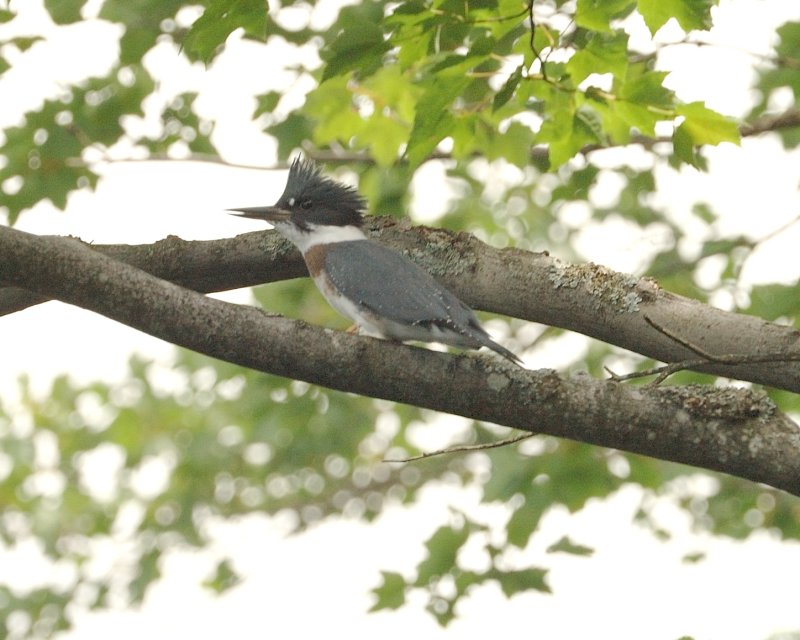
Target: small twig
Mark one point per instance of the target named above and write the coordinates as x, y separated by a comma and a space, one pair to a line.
681, 341
789, 119
778, 60
755, 244
786, 120
776, 232
536, 53
664, 371
661, 373
466, 447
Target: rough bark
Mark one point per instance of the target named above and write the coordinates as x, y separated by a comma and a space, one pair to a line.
732, 430
587, 298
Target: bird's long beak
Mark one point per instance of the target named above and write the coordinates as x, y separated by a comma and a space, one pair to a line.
270, 214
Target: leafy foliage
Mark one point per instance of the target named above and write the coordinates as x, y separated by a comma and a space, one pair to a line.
485, 84
441, 567
784, 74
44, 154
219, 19
64, 12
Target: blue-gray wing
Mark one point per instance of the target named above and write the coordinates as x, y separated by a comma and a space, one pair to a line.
391, 286
394, 289
405, 300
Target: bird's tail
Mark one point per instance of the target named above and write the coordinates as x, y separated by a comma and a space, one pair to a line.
486, 341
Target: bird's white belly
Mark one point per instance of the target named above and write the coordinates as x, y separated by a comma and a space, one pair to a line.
368, 323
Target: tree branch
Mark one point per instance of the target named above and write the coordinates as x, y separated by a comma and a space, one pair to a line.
732, 430
204, 266
462, 448
538, 153
587, 298
789, 119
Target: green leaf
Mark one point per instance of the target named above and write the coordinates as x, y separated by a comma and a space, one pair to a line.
482, 46
512, 582
508, 88
704, 211
578, 186
562, 130
388, 127
358, 47
604, 53
142, 24
291, 133
23, 43
433, 120
219, 20
643, 99
64, 11
781, 76
645, 87
99, 106
615, 128
182, 126
683, 147
598, 14
391, 594
694, 557
511, 474
582, 132
412, 36
414, 49
6, 15
700, 126
331, 106
690, 14
34, 178
705, 126
359, 43
394, 89
565, 545
773, 301
789, 39
149, 572
266, 103
514, 145
592, 121
473, 134
383, 136
41, 154
223, 579
523, 523
443, 547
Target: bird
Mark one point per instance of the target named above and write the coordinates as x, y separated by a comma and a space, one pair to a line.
386, 294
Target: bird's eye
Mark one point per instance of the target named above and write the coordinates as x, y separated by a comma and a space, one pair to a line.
306, 204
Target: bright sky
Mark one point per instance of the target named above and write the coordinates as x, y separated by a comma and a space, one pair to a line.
318, 582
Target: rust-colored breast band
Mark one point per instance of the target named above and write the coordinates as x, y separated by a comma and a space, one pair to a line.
315, 260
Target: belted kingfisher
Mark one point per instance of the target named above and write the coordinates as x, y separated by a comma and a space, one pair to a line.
384, 292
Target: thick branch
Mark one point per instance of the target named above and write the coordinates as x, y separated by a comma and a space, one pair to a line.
205, 266
731, 430
589, 299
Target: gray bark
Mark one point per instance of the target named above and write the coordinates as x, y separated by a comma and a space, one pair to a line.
587, 298
736, 431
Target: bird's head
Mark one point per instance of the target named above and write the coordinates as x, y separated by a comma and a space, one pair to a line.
310, 204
